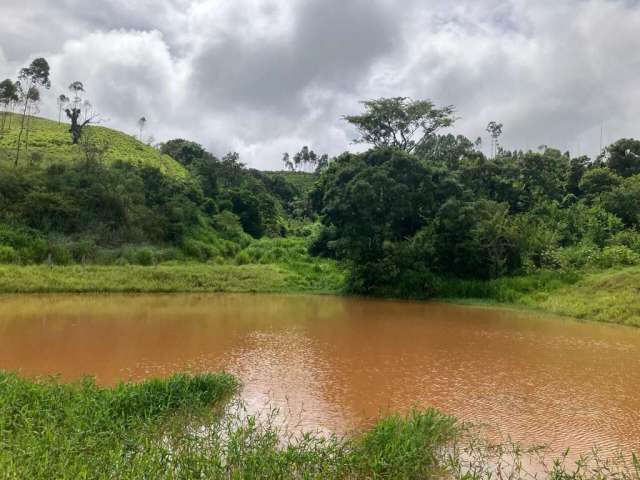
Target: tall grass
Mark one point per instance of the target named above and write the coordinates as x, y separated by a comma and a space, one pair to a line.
183, 428
50, 430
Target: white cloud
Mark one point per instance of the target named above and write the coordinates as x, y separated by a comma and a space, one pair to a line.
265, 76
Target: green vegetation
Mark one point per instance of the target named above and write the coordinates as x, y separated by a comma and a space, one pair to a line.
609, 296
269, 273
184, 427
49, 143
419, 215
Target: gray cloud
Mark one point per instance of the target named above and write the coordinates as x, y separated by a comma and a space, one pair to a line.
265, 76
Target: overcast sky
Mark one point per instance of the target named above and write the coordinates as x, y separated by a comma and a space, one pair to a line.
262, 77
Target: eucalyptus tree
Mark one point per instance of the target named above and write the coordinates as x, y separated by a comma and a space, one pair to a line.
495, 130
32, 77
142, 122
400, 122
76, 88
75, 111
8, 96
34, 98
62, 101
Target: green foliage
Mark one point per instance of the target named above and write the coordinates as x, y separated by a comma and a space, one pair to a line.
179, 428
400, 122
52, 430
623, 157
402, 221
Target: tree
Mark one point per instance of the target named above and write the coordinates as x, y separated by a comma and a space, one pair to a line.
8, 96
183, 151
34, 76
288, 164
62, 101
34, 98
142, 121
597, 181
305, 157
623, 157
400, 122
495, 130
76, 88
75, 111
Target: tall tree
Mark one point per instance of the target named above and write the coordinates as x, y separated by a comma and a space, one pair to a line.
76, 88
62, 101
34, 76
73, 113
495, 130
8, 96
142, 121
34, 98
400, 122
304, 158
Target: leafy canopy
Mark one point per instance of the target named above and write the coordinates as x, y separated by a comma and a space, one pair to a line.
400, 122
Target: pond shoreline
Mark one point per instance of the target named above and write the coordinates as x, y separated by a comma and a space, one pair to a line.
611, 296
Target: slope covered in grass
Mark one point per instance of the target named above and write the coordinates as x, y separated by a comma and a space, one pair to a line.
612, 296
51, 142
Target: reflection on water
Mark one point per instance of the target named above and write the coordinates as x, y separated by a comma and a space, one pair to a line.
337, 363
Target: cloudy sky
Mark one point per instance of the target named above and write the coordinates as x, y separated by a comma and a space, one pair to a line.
262, 77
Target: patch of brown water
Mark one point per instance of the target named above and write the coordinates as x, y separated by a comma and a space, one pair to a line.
337, 363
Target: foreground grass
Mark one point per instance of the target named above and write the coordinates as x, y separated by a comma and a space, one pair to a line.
165, 278
611, 296
184, 428
175, 428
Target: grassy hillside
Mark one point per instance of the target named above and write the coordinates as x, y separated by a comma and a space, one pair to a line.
303, 181
51, 142
611, 296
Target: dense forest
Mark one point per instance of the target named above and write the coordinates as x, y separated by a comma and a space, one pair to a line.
420, 205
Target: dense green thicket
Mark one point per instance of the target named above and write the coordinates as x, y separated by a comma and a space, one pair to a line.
404, 221
86, 208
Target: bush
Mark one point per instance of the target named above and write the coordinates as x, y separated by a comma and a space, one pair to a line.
617, 255
627, 238
145, 256
242, 258
8, 254
59, 254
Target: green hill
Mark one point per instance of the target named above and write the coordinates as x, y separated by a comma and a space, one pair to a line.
303, 181
51, 142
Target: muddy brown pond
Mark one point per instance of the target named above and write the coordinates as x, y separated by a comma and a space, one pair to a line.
335, 364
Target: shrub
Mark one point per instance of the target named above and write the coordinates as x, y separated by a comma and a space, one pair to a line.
617, 255
59, 254
145, 256
243, 258
8, 254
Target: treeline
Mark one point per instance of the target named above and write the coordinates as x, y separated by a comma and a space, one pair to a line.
418, 207
421, 206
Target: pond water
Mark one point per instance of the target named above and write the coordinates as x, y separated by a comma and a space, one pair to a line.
335, 364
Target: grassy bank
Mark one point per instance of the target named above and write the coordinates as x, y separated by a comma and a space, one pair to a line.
607, 296
611, 296
186, 277
177, 428
184, 427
